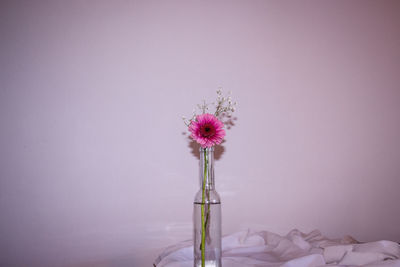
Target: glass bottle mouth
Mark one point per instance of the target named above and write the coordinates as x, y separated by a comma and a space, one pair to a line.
202, 149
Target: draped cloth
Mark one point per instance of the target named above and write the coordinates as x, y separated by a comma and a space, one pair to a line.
296, 249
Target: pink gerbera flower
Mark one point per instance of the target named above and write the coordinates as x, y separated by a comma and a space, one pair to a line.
207, 130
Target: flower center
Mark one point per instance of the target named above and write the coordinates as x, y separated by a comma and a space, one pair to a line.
207, 130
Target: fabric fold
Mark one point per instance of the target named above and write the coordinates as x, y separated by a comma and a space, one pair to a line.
296, 249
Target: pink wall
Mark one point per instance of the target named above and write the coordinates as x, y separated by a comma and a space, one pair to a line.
94, 169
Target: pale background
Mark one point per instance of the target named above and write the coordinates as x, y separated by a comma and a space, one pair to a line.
95, 170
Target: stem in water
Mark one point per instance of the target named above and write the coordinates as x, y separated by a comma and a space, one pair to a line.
203, 225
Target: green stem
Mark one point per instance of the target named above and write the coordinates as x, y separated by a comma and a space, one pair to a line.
208, 211
203, 225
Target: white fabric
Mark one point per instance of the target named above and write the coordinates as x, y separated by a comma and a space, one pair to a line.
296, 249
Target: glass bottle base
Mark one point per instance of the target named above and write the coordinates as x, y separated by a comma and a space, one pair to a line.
208, 264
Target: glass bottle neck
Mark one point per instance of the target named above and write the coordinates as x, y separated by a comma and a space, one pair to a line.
207, 168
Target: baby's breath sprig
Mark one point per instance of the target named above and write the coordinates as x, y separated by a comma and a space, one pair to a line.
203, 107
223, 107
187, 121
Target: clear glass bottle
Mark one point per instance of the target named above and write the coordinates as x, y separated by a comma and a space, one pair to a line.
207, 215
